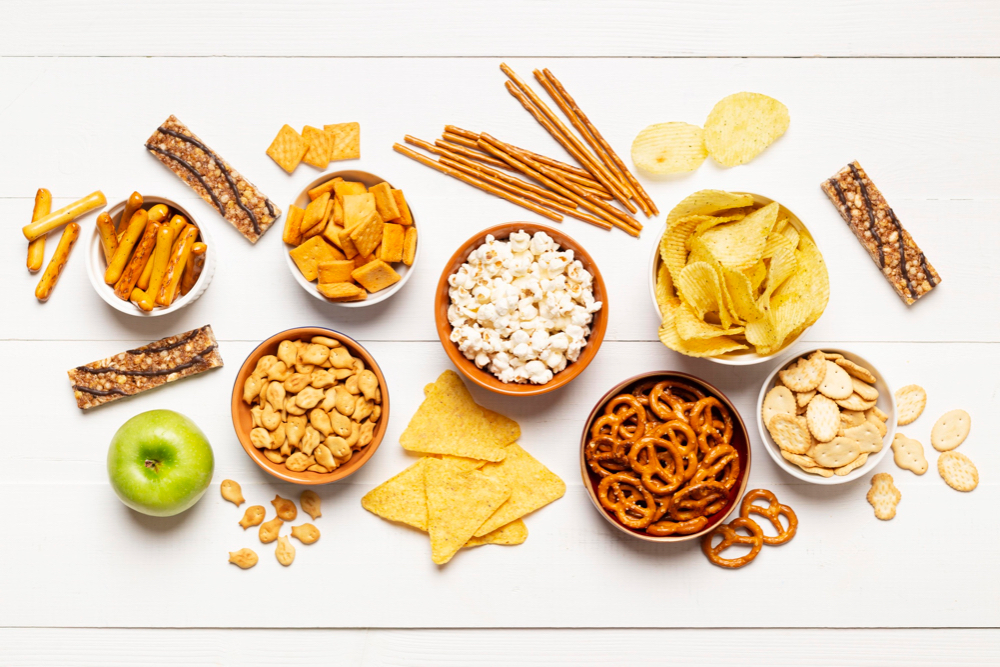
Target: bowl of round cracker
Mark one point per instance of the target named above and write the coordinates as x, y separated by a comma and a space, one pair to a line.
736, 278
646, 429
826, 416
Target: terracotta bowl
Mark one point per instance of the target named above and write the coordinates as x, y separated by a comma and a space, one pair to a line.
740, 443
741, 357
483, 377
243, 421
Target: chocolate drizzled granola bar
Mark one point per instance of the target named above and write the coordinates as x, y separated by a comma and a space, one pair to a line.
144, 368
234, 197
878, 229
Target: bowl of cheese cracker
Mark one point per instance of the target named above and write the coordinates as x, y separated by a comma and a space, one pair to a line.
826, 416
736, 278
351, 239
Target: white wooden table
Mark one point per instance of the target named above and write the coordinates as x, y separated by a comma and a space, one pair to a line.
908, 89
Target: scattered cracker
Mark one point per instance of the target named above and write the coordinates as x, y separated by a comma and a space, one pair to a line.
910, 402
950, 430
909, 454
884, 496
958, 471
346, 141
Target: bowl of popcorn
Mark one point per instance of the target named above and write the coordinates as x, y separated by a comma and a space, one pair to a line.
521, 309
310, 405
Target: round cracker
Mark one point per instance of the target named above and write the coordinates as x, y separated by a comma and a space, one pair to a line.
823, 418
778, 400
867, 435
958, 471
910, 403
879, 424
852, 466
864, 390
790, 433
856, 370
951, 430
909, 454
836, 453
805, 374
802, 398
836, 382
856, 403
801, 460
822, 472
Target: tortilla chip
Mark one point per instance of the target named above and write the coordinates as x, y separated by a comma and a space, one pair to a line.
513, 533
532, 486
458, 502
401, 498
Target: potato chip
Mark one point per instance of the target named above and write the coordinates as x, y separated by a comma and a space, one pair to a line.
513, 533
532, 486
458, 502
792, 235
709, 221
450, 422
742, 125
669, 148
346, 140
710, 347
810, 280
690, 327
664, 287
740, 245
756, 274
781, 253
706, 202
673, 245
740, 292
698, 287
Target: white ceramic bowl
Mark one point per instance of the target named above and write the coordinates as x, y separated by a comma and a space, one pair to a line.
743, 357
97, 265
403, 270
886, 403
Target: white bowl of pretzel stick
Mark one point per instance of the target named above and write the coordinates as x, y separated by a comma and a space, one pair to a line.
884, 404
97, 264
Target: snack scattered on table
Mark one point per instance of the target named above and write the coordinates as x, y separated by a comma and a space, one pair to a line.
244, 558
313, 405
43, 225
873, 222
884, 496
756, 538
958, 471
254, 516
314, 146
235, 198
284, 508
643, 443
306, 533
669, 148
349, 236
144, 368
951, 430
232, 492
67, 240
909, 454
910, 403
521, 308
476, 484
36, 248
834, 436
734, 275
268, 531
284, 552
310, 503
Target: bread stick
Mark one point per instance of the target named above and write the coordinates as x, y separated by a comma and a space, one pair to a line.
161, 255
176, 225
175, 267
109, 238
158, 213
135, 229
132, 204
36, 249
143, 251
142, 299
57, 219
51, 276
193, 267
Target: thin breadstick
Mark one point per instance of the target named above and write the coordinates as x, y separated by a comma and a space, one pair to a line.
492, 180
512, 180
132, 204
629, 176
577, 171
133, 232
57, 219
179, 256
461, 141
109, 238
193, 268
52, 272
143, 251
475, 182
471, 154
36, 248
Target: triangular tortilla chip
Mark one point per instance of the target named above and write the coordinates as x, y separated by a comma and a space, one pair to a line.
458, 502
532, 486
513, 533
401, 498
450, 422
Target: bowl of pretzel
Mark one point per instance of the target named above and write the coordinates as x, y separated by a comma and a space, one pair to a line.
665, 456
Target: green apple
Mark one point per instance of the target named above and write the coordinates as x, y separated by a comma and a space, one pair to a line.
160, 463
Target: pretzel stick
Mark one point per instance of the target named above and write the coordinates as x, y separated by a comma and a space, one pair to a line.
513, 189
534, 105
624, 170
471, 154
460, 140
499, 150
475, 182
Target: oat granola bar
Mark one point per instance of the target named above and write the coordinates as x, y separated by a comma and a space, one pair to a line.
878, 229
146, 367
237, 199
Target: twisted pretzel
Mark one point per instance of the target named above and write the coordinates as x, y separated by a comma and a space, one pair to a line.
661, 528
625, 495
730, 537
772, 513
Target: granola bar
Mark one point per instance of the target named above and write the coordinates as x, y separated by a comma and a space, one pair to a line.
891, 247
146, 367
237, 199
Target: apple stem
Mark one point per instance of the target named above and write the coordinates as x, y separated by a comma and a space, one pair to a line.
151, 464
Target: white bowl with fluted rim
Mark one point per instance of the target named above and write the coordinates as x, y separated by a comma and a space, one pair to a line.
886, 403
740, 357
97, 265
404, 271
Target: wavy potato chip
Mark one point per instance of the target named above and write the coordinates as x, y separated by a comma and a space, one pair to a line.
664, 288
781, 253
756, 275
710, 347
669, 148
707, 202
740, 291
740, 245
673, 245
698, 286
742, 125
691, 327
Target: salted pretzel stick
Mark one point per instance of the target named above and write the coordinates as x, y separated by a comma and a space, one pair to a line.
548, 119
475, 182
161, 255
58, 261
499, 150
132, 204
36, 249
530, 196
192, 270
511, 180
622, 168
135, 229
179, 256
156, 213
143, 251
460, 140
471, 154
57, 219
143, 300
109, 239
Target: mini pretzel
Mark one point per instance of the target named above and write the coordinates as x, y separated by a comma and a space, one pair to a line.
602, 456
622, 494
645, 460
731, 537
771, 513
697, 500
662, 528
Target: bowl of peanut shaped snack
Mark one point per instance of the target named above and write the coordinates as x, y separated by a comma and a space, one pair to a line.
310, 405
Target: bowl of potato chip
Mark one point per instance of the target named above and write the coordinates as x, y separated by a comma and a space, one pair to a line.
826, 416
736, 278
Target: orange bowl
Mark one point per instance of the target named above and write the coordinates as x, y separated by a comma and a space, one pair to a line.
486, 379
739, 441
243, 420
